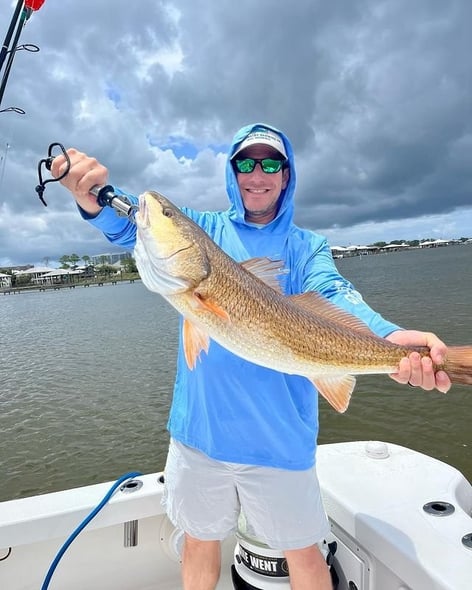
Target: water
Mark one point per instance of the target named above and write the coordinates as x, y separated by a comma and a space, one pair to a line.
86, 375
86, 380
426, 290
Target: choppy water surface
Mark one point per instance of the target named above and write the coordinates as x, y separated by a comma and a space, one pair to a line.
86, 375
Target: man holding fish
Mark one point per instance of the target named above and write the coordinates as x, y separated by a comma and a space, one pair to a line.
243, 434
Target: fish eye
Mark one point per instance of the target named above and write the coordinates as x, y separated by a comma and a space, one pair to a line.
167, 212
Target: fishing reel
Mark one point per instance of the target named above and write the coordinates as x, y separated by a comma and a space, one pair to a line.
105, 194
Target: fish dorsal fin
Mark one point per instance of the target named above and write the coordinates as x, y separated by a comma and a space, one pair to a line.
266, 270
336, 390
316, 303
194, 341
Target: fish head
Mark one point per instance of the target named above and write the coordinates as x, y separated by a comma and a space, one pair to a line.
169, 251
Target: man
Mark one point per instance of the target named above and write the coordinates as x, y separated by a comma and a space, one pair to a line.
243, 436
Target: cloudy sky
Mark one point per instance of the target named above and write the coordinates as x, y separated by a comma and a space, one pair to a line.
376, 96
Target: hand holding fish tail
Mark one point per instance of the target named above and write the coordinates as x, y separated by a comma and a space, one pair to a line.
85, 172
421, 371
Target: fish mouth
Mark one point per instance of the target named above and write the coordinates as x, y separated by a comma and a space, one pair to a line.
143, 223
142, 215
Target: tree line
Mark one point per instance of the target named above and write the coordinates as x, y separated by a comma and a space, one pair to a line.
71, 261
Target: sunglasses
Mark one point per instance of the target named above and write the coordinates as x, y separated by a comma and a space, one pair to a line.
268, 165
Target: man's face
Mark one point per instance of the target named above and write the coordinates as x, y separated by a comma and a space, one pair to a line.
261, 191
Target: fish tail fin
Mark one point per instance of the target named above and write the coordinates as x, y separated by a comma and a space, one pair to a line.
458, 364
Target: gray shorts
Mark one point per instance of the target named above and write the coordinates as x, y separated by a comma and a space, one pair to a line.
204, 497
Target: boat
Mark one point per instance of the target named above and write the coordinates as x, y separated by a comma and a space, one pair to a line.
400, 520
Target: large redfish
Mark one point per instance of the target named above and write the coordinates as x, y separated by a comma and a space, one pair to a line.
239, 306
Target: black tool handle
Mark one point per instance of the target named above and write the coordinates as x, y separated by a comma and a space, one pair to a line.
106, 196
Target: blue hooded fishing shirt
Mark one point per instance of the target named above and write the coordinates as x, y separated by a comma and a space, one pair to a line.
227, 407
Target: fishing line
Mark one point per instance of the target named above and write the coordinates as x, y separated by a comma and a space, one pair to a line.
83, 524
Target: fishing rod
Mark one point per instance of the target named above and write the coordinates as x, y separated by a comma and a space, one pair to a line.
11, 29
23, 11
105, 194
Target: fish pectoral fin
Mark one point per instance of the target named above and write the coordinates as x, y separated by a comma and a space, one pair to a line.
336, 390
200, 302
266, 270
194, 341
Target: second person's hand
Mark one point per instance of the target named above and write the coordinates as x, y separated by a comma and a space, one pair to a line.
417, 371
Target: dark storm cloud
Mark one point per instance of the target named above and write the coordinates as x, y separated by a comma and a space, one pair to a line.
375, 96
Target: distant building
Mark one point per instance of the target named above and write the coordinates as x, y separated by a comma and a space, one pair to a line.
435, 243
394, 247
342, 252
338, 251
108, 258
5, 280
57, 276
35, 272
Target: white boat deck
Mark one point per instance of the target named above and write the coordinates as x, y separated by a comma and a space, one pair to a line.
385, 538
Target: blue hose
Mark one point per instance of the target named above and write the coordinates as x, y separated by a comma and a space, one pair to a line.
83, 524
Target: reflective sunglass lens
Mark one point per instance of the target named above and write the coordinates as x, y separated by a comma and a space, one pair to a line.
271, 166
245, 166
268, 165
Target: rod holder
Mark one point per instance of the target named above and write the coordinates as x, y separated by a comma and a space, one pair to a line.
130, 531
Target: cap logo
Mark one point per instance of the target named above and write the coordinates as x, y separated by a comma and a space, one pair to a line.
265, 137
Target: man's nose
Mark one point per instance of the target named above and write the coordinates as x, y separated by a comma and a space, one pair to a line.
258, 169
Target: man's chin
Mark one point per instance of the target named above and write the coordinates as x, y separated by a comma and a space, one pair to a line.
260, 215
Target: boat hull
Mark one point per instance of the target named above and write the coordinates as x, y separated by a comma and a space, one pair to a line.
374, 495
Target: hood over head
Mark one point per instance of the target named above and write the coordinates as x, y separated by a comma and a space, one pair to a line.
268, 135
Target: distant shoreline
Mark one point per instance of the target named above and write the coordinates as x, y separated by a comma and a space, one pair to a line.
60, 286
350, 251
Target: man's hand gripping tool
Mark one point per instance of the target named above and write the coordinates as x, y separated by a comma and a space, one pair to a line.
106, 196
